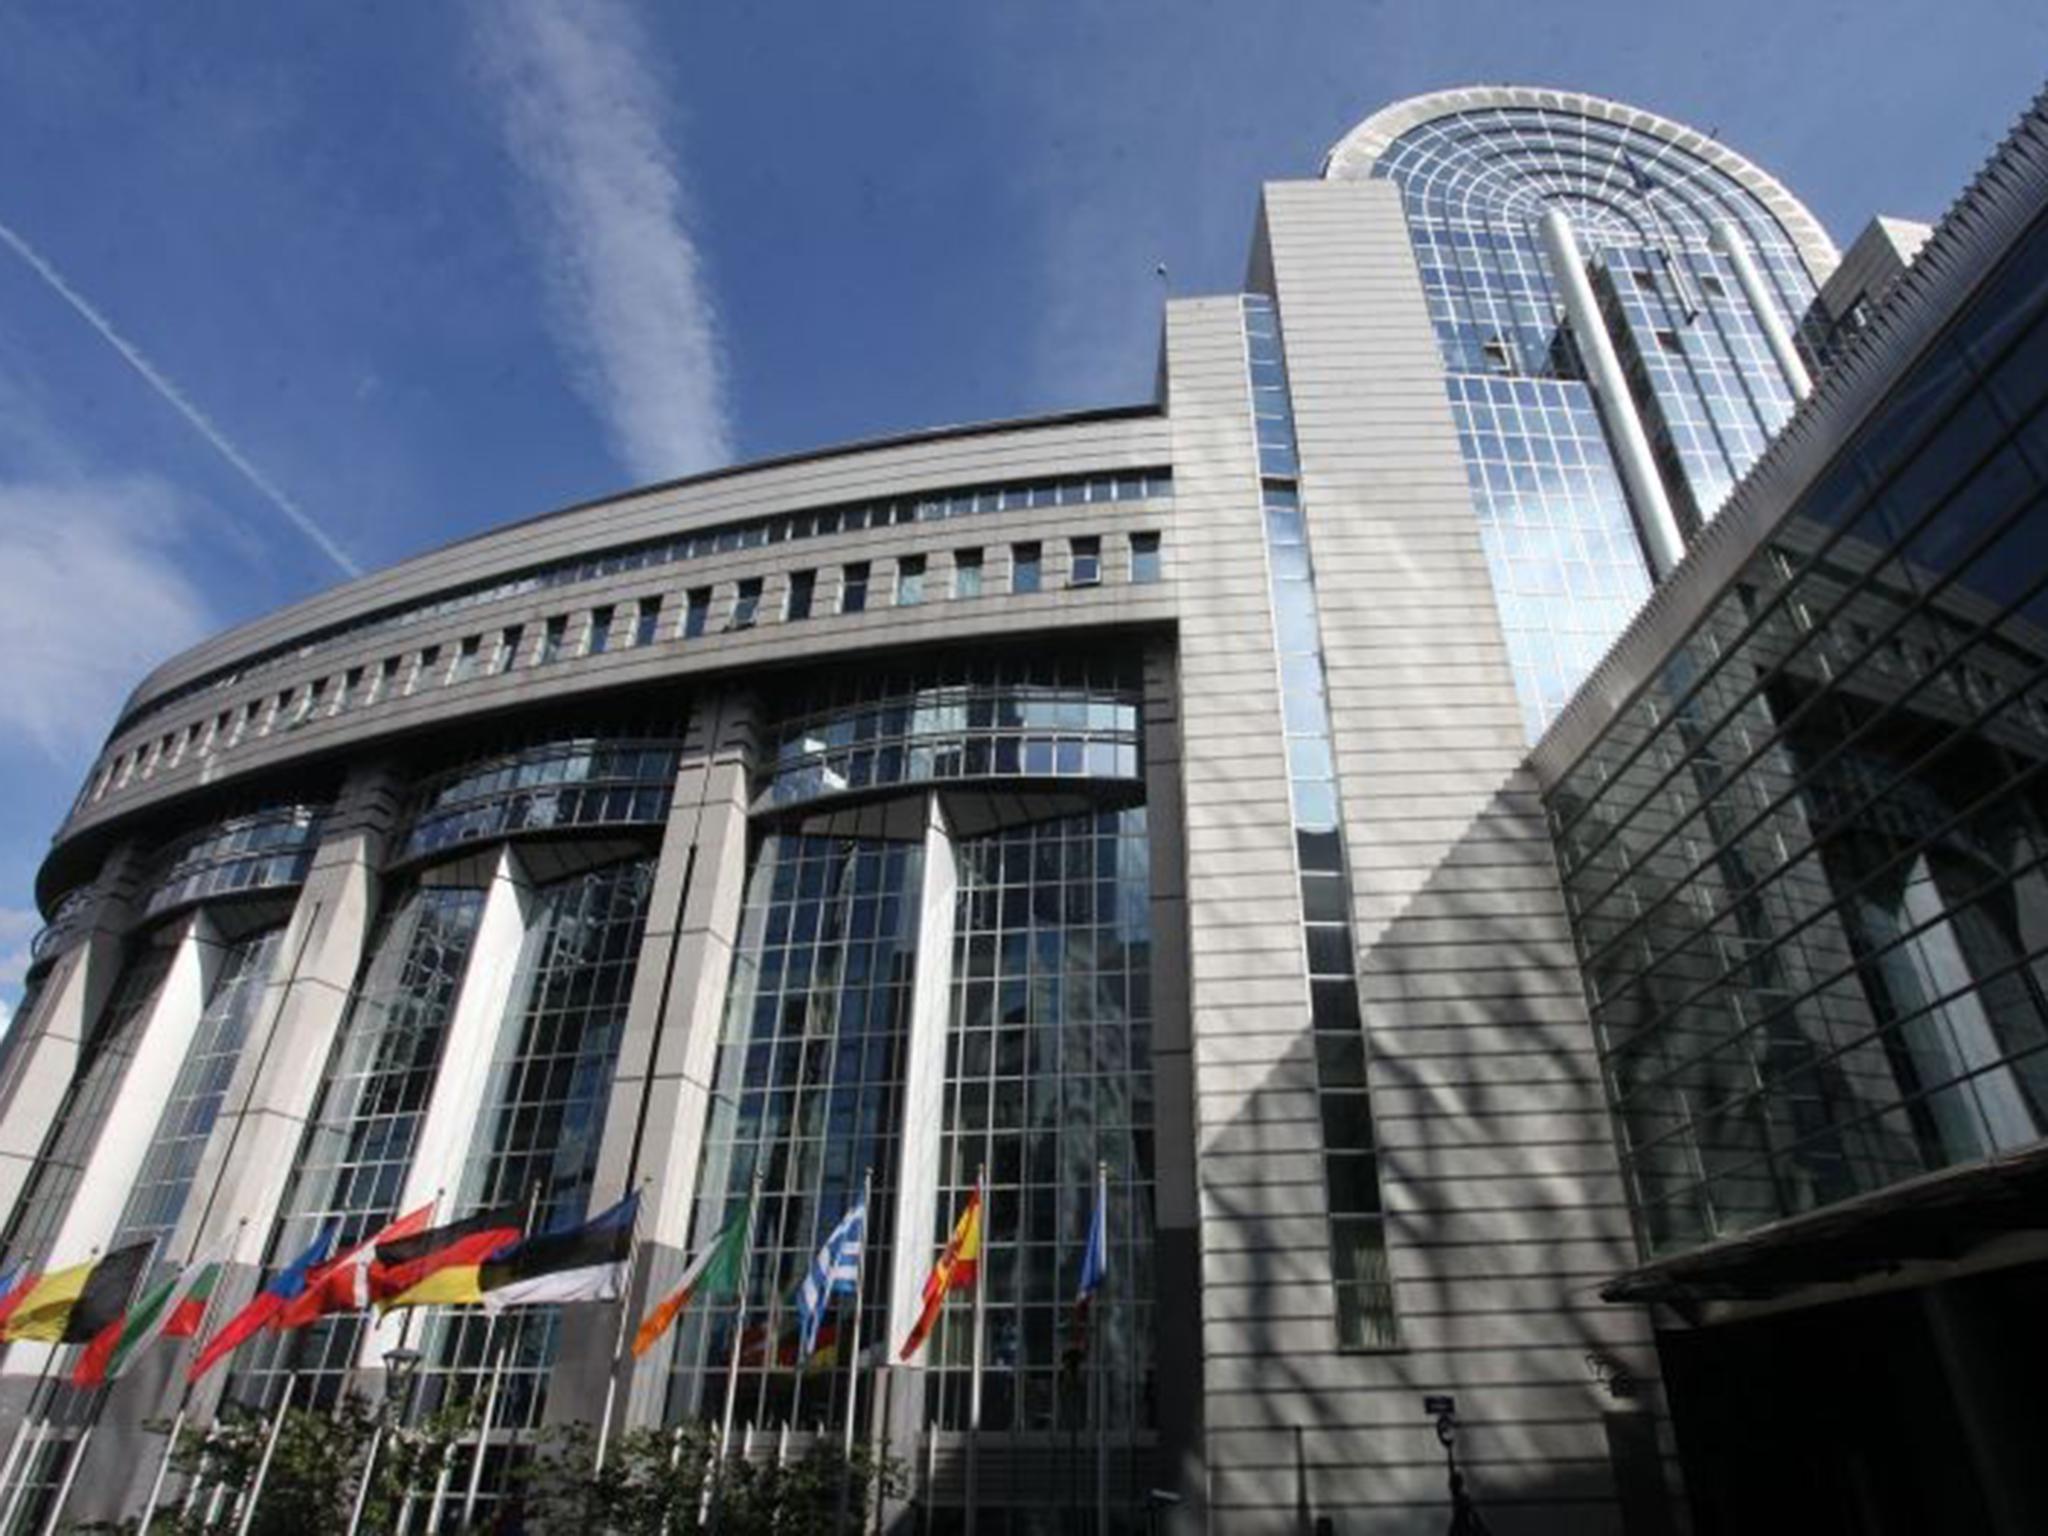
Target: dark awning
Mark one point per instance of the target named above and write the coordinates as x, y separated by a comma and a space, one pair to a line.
1942, 1216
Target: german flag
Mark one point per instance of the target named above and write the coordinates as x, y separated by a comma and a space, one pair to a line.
441, 1267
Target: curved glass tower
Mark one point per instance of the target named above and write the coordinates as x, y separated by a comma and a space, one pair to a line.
1618, 301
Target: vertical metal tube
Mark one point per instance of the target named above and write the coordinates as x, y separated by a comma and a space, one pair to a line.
981, 1272
284, 1405
1610, 391
1729, 242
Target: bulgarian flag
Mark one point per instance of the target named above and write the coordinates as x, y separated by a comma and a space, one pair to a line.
957, 1266
181, 1299
716, 1269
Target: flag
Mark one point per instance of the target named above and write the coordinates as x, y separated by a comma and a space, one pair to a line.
46, 1307
957, 1266
586, 1262
106, 1293
96, 1362
1094, 1270
754, 1348
284, 1287
835, 1269
343, 1284
717, 1268
439, 1267
190, 1312
14, 1290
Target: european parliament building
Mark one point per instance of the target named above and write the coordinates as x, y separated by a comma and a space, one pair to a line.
1505, 808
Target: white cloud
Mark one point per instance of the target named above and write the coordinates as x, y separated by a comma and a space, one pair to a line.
92, 599
583, 117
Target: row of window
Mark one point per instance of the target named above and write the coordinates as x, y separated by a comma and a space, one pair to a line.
613, 626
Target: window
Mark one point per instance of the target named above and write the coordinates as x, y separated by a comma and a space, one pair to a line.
803, 586
967, 573
1087, 557
551, 640
648, 624
1144, 558
853, 598
429, 655
508, 648
464, 665
696, 611
1713, 286
910, 581
1024, 567
351, 693
600, 632
387, 677
746, 604
1668, 340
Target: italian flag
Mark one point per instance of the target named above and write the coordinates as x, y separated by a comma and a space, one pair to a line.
716, 1269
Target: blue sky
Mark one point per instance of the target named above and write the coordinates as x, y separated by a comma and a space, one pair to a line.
386, 274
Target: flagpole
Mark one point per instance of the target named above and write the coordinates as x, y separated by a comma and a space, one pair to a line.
732, 1369
163, 1466
20, 1486
284, 1403
981, 1272
483, 1437
611, 1383
860, 1280
71, 1468
1100, 1327
21, 1433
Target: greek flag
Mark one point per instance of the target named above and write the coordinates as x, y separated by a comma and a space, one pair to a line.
836, 1268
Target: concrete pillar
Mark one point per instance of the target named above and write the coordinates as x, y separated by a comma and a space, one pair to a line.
1610, 389
40, 1065
456, 1111
1729, 241
661, 1089
924, 1105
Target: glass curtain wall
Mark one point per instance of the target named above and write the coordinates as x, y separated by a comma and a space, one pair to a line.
1048, 1075
1566, 559
373, 1098
103, 1059
1806, 863
809, 1091
543, 1115
165, 1182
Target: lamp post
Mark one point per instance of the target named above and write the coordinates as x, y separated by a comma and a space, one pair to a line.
401, 1377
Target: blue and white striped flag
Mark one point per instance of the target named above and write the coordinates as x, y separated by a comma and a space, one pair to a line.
835, 1269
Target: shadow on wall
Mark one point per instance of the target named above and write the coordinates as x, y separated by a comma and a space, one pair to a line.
1504, 1214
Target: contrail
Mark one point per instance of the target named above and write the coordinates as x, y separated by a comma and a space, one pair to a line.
176, 399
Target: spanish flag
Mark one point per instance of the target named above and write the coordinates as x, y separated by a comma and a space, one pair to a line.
441, 1267
957, 1266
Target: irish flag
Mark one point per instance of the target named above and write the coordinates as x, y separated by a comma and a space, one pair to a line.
716, 1269
957, 1266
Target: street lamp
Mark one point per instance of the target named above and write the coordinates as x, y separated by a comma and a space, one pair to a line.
401, 1377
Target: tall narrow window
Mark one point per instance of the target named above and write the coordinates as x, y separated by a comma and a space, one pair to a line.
423, 668
463, 667
647, 624
508, 648
746, 604
600, 631
351, 693
387, 677
853, 598
1026, 565
696, 612
551, 640
910, 581
1144, 558
967, 573
803, 587
1087, 557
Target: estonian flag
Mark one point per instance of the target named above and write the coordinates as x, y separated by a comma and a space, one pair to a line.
440, 1268
583, 1263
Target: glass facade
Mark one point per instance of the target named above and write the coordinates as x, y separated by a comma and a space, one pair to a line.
809, 1088
165, 1180
1563, 547
1364, 1294
543, 1114
103, 1059
1048, 1074
268, 850
1804, 863
1017, 717
366, 1121
577, 781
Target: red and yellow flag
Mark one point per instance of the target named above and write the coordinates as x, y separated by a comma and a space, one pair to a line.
957, 1266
